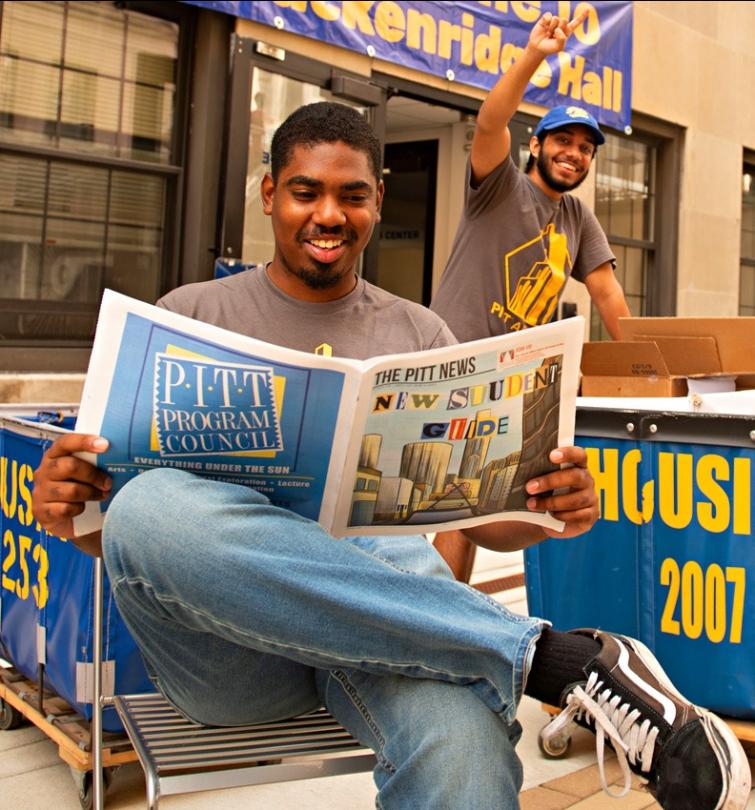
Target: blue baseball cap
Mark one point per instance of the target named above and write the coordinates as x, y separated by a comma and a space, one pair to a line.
564, 116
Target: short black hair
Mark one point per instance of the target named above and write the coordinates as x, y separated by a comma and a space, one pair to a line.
325, 122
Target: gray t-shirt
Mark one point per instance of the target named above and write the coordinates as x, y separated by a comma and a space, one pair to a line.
365, 323
513, 251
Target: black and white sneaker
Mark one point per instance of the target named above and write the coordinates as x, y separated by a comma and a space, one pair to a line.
688, 758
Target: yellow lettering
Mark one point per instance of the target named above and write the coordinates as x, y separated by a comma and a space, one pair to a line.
40, 590
448, 33
542, 76
607, 87
466, 57
713, 516
592, 90
670, 577
356, 15
513, 385
701, 594
715, 604
630, 489
22, 585
737, 576
9, 542
675, 490
742, 484
487, 49
509, 53
325, 11
420, 31
618, 79
296, 5
588, 31
9, 481
390, 22
570, 78
606, 477
25, 516
528, 12
692, 599
477, 393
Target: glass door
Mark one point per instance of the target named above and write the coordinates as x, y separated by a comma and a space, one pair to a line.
405, 261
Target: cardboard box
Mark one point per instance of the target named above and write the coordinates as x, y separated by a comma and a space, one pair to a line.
628, 369
670, 356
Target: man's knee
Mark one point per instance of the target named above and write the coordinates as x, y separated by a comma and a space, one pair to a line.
143, 510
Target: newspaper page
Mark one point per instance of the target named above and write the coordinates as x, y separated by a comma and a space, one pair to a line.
169, 391
451, 436
403, 443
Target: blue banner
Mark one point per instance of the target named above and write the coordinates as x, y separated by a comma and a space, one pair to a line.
473, 43
671, 562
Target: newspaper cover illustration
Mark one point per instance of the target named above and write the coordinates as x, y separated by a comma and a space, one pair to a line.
474, 428
394, 445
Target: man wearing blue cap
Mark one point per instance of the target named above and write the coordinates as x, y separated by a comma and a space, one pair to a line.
522, 234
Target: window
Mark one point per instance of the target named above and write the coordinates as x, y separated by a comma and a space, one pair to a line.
88, 77
87, 120
747, 251
625, 208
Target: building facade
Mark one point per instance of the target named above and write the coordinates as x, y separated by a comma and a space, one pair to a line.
133, 136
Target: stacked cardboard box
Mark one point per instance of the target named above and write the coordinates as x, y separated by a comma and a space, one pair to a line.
660, 357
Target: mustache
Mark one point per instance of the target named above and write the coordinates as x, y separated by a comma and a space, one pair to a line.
326, 233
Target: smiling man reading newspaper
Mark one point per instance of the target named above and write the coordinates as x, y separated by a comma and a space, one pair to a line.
246, 612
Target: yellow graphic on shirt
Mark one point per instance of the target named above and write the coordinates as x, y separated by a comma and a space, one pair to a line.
533, 300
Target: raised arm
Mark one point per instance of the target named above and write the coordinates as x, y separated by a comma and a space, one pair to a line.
575, 503
492, 139
63, 483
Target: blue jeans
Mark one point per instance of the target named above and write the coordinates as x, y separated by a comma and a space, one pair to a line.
245, 612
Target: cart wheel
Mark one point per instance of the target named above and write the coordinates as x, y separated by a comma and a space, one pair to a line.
10, 716
86, 791
556, 747
85, 784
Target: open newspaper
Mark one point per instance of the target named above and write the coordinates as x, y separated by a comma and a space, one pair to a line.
409, 443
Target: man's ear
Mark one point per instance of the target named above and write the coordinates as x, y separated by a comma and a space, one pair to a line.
379, 206
267, 192
535, 146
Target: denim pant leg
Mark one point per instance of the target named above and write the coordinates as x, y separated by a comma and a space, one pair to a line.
438, 746
201, 568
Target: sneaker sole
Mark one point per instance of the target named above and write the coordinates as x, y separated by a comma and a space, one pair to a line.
722, 739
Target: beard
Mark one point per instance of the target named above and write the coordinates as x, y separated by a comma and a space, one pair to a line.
319, 278
543, 168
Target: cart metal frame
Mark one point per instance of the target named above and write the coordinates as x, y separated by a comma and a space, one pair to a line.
179, 756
